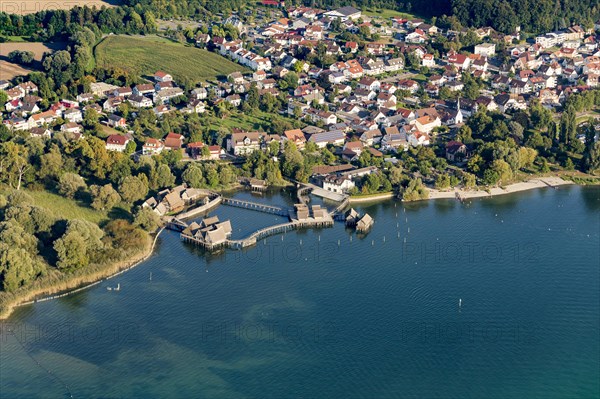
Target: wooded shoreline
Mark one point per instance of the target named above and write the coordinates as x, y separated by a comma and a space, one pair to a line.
52, 290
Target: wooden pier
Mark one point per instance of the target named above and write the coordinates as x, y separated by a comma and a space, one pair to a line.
176, 224
258, 235
255, 206
339, 210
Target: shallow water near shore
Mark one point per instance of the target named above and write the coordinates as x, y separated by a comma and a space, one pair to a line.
327, 313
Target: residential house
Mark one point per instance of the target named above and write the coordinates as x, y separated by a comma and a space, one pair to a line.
117, 142
152, 146
173, 141
116, 121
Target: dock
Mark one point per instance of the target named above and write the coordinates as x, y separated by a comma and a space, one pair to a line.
211, 234
255, 206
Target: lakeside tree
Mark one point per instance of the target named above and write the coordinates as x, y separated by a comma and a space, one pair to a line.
146, 218
133, 188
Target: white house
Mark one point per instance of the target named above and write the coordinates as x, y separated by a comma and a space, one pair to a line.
485, 49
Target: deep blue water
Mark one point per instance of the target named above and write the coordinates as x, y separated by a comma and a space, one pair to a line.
328, 314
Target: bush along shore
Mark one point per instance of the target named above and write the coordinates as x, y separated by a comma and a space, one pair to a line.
55, 285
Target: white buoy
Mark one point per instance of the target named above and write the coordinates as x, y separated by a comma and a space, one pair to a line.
398, 234
282, 238
409, 229
459, 302
150, 276
319, 238
404, 238
350, 238
397, 225
372, 242
383, 238
338, 243
300, 241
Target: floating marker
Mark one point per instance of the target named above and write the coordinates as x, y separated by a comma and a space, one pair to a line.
319, 237
300, 241
398, 234
372, 242
338, 243
409, 229
383, 238
404, 238
350, 238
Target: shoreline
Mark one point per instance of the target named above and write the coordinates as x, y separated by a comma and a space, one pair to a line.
369, 198
78, 283
463, 194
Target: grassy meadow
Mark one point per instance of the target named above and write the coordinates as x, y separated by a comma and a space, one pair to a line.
145, 55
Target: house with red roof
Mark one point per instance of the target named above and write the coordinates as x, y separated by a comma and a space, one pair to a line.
173, 141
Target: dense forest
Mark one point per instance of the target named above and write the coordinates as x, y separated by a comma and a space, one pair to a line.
535, 16
139, 16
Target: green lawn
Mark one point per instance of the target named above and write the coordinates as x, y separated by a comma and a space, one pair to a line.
145, 55
387, 14
66, 208
18, 39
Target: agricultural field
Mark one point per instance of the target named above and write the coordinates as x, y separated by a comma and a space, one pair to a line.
9, 70
24, 7
144, 55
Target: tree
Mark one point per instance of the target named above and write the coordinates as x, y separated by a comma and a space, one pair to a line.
51, 163
415, 191
146, 218
503, 170
133, 188
21, 57
14, 163
469, 180
71, 252
442, 181
162, 177
71, 183
192, 176
526, 157
104, 197
568, 126
18, 267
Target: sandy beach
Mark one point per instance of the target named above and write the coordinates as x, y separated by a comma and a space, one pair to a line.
512, 188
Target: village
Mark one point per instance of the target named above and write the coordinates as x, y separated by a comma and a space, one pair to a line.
381, 97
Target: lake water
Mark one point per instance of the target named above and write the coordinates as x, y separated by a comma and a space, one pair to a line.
328, 314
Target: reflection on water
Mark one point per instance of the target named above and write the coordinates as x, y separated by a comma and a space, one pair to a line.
326, 313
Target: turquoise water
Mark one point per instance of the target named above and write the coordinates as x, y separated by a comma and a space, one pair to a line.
374, 316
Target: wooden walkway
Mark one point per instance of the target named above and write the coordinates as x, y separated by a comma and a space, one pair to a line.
255, 206
176, 224
340, 208
258, 235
